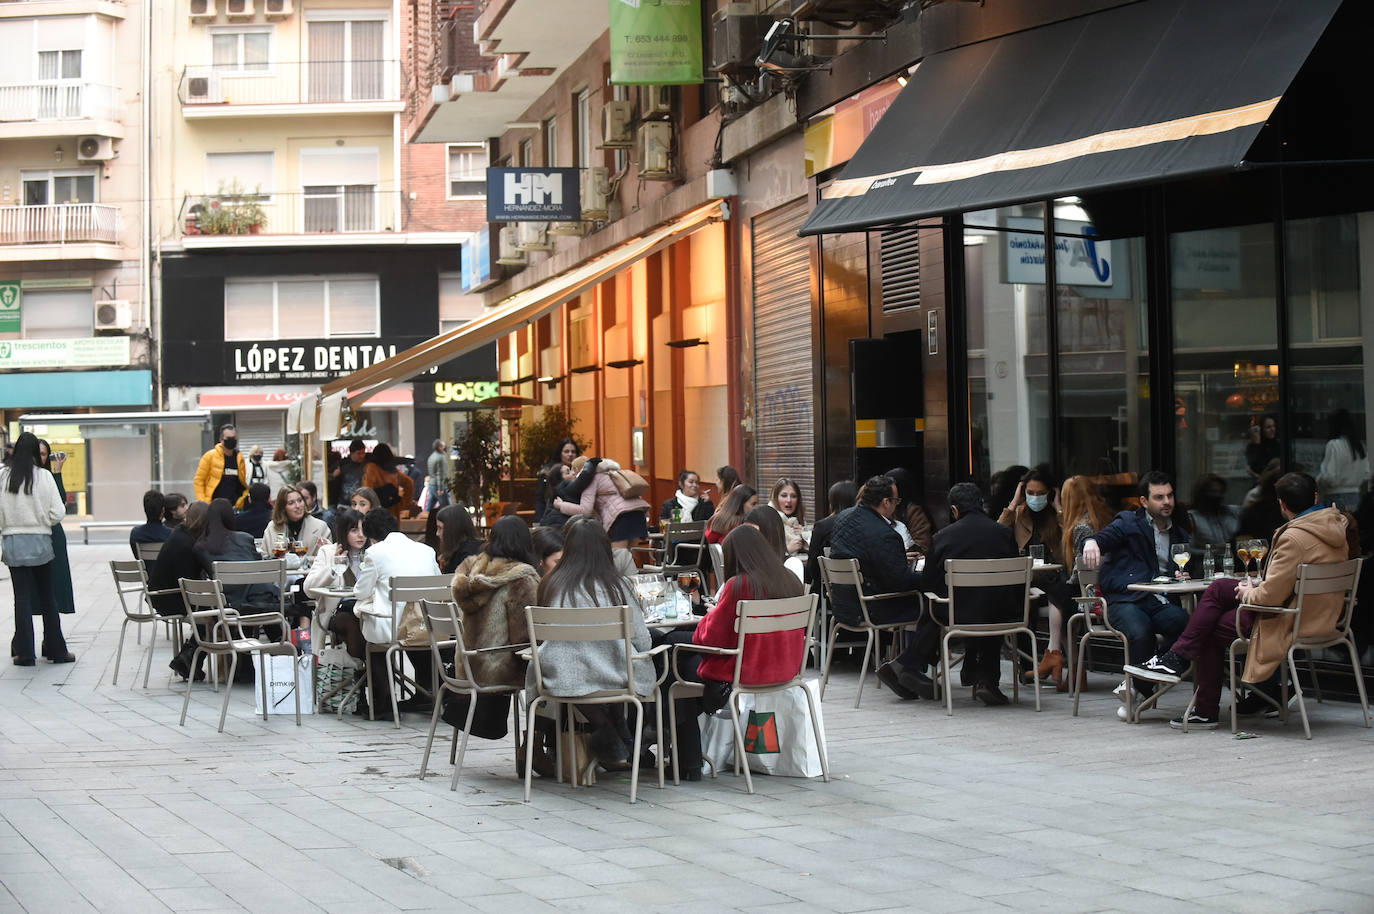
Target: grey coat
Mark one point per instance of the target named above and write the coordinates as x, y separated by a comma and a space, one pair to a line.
572, 668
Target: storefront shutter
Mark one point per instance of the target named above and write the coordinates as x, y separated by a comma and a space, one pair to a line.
783, 432
901, 264
265, 427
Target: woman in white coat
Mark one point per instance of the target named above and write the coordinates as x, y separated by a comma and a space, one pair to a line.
335, 568
29, 506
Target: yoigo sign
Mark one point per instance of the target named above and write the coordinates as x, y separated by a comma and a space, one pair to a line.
533, 195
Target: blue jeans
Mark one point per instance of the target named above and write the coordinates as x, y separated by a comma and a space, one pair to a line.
1142, 620
438, 498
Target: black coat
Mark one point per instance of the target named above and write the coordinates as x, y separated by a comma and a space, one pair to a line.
176, 560
862, 533
702, 511
974, 536
820, 538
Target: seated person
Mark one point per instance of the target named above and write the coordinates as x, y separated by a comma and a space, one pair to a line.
221, 542
257, 513
1313, 534
864, 532
787, 501
767, 521
457, 537
842, 495
153, 530
741, 500
293, 523
178, 560
174, 509
336, 567
972, 535
916, 528
688, 499
1134, 548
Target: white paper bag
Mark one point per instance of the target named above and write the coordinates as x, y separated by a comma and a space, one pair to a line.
778, 736
282, 686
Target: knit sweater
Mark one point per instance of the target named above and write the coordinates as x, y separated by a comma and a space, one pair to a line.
573, 668
30, 512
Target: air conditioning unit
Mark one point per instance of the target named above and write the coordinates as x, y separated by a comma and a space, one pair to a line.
507, 251
568, 228
204, 89
94, 149
238, 9
658, 100
656, 151
616, 116
533, 236
276, 9
736, 37
596, 188
203, 10
113, 314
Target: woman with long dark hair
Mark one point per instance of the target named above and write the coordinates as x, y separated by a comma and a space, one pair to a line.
586, 576
623, 516
753, 571
30, 504
1345, 464
727, 477
336, 568
563, 456
395, 490
493, 588
548, 548
457, 537
741, 500
61, 565
767, 521
222, 542
177, 560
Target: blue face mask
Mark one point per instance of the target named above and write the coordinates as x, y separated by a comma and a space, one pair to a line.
1037, 503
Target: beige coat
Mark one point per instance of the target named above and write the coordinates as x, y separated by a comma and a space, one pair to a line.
1022, 521
1322, 537
493, 594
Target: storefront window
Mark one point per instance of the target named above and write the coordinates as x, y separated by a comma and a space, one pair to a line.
1226, 365
1327, 304
1008, 366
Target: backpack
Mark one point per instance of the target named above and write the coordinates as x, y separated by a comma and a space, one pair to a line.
389, 495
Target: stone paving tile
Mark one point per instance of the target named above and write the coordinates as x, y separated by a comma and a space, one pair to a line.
991, 810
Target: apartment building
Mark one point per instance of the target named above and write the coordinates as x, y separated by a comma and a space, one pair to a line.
74, 303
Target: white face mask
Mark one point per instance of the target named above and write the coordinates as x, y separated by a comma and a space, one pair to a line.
1037, 503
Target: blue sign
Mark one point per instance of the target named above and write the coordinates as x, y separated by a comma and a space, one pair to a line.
533, 195
475, 257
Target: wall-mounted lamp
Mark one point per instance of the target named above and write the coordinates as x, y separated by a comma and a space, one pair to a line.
687, 343
901, 81
551, 380
518, 381
57, 154
624, 363
584, 369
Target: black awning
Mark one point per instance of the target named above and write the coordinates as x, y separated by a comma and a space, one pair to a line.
1136, 93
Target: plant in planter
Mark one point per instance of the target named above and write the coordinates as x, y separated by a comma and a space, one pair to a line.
479, 464
233, 211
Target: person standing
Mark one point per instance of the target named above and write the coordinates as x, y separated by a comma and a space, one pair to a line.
395, 489
440, 471
30, 504
222, 472
1345, 464
62, 593
349, 471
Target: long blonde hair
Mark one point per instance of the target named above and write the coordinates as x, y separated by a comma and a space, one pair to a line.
1080, 501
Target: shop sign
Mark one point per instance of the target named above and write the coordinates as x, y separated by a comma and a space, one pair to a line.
656, 42
80, 353
305, 360
11, 300
533, 195
464, 391
1078, 261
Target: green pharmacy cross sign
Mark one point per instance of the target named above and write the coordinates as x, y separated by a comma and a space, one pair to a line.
655, 42
11, 298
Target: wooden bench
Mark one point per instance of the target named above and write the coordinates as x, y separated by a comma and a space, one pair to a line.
87, 525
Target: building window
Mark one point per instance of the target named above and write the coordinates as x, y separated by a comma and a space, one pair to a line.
57, 314
526, 153
342, 195
551, 142
583, 109
622, 156
254, 172
467, 171
288, 309
59, 72
241, 50
347, 60
72, 185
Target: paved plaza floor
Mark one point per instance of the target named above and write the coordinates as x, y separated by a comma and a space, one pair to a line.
106, 804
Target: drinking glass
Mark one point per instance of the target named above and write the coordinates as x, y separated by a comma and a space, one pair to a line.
1243, 553
1258, 550
1179, 553
1037, 554
299, 548
278, 549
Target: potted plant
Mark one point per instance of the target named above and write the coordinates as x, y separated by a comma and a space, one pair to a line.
480, 463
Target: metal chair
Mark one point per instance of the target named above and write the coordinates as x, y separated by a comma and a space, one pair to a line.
131, 584
404, 590
147, 554
688, 535
754, 617
553, 624
847, 573
967, 574
1092, 616
445, 626
1313, 579
717, 553
223, 636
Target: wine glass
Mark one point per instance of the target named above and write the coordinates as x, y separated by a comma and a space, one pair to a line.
1259, 548
1179, 553
278, 549
1243, 552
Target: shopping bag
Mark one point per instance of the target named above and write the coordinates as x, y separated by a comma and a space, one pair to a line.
335, 674
282, 685
718, 739
778, 738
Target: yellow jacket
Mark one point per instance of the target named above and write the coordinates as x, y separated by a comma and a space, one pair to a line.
211, 471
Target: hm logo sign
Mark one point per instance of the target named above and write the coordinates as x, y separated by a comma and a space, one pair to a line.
533, 187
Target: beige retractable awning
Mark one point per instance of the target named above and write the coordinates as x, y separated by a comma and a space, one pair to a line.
518, 310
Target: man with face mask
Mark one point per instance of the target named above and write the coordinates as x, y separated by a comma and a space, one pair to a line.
222, 472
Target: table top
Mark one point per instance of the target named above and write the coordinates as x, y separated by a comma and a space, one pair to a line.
332, 592
689, 621
1172, 587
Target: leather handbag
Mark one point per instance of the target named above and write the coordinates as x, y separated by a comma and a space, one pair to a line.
628, 483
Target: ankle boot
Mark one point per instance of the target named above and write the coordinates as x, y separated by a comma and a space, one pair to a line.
1051, 665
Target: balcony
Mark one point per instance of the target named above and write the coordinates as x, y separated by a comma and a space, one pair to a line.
291, 89
319, 216
62, 231
59, 109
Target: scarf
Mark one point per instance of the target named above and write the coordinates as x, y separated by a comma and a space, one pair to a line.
688, 505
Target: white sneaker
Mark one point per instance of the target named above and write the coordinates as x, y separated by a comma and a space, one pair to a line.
1120, 692
1121, 713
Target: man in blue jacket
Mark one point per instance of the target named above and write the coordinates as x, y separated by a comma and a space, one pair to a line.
1135, 547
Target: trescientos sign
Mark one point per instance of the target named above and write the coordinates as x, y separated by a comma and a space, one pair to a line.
533, 195
302, 360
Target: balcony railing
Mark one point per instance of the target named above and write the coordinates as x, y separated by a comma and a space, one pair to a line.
305, 82
58, 102
61, 223
340, 209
